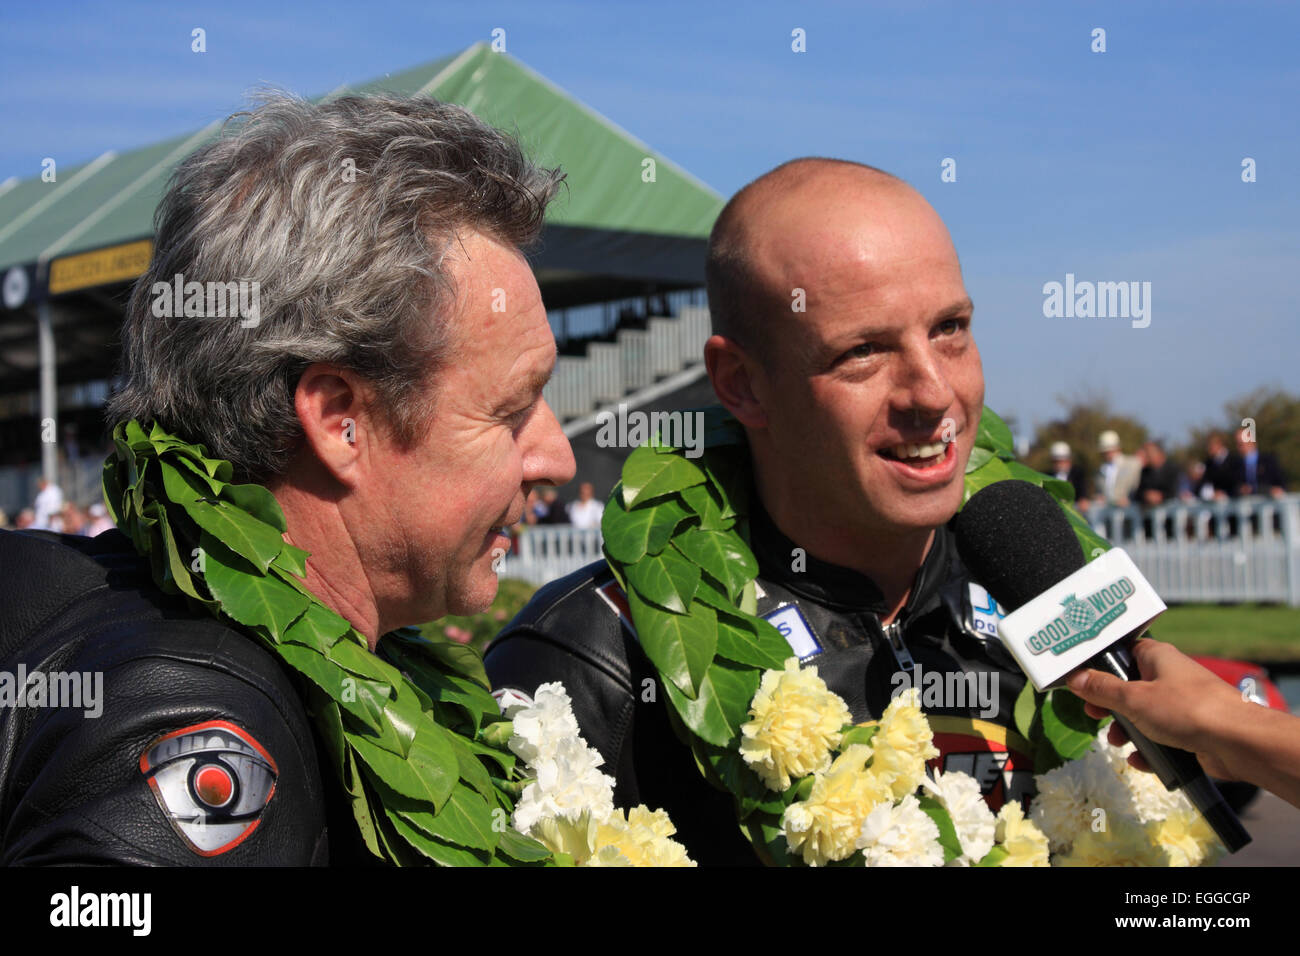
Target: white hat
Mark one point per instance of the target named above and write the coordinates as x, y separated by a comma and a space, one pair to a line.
1060, 449
1109, 441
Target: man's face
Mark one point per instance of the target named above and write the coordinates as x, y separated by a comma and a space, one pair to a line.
491, 438
873, 395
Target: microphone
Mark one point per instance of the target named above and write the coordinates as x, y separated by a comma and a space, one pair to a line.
1065, 614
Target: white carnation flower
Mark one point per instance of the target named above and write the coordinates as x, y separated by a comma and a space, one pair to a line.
1150, 799
901, 835
1105, 787
1061, 809
974, 821
567, 785
540, 729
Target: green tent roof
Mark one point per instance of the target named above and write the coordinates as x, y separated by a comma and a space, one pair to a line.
607, 215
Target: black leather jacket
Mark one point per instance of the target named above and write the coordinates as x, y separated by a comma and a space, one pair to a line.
575, 631
239, 784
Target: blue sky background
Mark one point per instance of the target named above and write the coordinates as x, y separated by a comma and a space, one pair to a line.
1123, 165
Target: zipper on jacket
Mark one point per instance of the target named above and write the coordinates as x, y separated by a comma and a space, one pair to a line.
894, 635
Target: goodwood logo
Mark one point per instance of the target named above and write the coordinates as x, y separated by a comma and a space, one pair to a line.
1082, 620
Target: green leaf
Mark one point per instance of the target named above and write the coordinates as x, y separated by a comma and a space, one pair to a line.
766, 649
630, 535
444, 854
722, 704
706, 504
465, 820
1026, 709
1062, 491
177, 570
258, 502
858, 735
1092, 543
329, 679
681, 646
318, 628
292, 560
668, 580
978, 458
243, 534
994, 857
994, 434
647, 475
411, 650
1025, 473
1069, 730
196, 468
723, 555
992, 470
428, 773
247, 596
947, 832
522, 848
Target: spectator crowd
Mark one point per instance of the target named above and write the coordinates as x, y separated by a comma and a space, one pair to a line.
1148, 477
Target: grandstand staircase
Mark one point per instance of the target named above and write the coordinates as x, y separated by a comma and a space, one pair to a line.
631, 368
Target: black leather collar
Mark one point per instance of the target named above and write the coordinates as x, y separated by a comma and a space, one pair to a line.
837, 587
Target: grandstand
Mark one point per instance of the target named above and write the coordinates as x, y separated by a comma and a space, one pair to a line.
620, 267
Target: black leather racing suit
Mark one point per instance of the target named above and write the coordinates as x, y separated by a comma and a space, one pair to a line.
576, 630
200, 753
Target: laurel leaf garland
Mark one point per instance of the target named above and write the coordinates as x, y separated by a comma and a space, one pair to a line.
676, 538
410, 738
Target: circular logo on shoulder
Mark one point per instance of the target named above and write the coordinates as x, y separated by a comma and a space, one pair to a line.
16, 287
212, 780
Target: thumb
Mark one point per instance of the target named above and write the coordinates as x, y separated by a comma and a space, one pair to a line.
1097, 688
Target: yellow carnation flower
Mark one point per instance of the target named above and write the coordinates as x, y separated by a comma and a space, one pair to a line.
558, 834
826, 826
1026, 845
795, 725
903, 744
642, 839
1124, 842
1186, 838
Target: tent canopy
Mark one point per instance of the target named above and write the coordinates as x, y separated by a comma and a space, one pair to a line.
81, 240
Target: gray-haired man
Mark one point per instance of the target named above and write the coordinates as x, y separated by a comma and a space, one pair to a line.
388, 393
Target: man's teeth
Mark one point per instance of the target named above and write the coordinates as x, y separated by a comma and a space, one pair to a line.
919, 451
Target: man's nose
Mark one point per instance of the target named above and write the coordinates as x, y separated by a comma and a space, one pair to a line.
922, 386
549, 457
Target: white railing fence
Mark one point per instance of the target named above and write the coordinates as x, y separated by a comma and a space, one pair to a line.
1247, 550
1242, 550
547, 552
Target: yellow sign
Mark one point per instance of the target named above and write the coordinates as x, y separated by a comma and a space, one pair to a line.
100, 267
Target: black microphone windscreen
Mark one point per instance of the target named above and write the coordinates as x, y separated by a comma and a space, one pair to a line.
1016, 541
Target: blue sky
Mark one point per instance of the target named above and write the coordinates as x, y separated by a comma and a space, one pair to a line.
1115, 166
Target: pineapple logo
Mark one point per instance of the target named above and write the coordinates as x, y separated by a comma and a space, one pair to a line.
1078, 615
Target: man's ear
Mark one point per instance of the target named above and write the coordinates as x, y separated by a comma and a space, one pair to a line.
730, 370
330, 402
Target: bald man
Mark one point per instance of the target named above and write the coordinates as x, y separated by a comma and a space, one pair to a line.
843, 345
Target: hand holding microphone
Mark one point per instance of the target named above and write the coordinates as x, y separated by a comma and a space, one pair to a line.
1065, 615
1176, 703
1181, 704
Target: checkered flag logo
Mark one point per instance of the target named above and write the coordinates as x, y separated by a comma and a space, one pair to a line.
1078, 615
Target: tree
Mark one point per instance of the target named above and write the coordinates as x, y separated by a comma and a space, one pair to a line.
1087, 415
1276, 415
